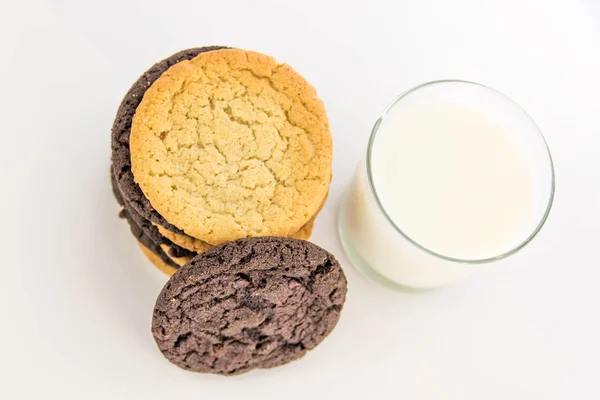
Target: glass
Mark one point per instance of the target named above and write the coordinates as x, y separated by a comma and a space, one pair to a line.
377, 245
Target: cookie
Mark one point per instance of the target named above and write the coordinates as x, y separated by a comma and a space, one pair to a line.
121, 131
183, 257
231, 144
183, 240
251, 303
198, 246
148, 243
178, 259
306, 231
157, 261
147, 234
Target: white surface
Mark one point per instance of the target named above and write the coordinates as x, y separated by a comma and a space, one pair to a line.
77, 294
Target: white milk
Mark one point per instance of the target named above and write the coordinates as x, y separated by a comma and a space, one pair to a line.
454, 180
460, 181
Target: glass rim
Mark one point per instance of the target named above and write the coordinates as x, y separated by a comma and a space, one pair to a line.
506, 254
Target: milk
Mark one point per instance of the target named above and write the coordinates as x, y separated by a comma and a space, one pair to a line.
456, 180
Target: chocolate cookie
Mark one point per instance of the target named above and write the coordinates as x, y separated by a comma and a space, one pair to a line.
147, 242
121, 131
147, 234
179, 259
252, 303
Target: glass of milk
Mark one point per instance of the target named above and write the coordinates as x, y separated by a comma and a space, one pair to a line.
456, 175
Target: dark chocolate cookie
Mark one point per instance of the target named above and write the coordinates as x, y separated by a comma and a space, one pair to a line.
121, 131
146, 233
146, 241
251, 303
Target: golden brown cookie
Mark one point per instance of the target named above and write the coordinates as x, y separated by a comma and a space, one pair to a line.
190, 243
305, 232
155, 259
231, 144
187, 242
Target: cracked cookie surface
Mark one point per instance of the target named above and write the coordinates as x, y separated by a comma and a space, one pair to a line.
252, 303
231, 144
121, 132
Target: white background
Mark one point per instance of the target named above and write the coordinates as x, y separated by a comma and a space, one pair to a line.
77, 294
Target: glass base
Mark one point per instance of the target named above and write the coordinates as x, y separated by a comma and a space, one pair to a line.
360, 263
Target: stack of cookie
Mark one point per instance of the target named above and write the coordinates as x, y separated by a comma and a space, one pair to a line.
221, 162
214, 144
